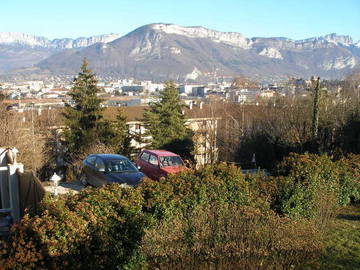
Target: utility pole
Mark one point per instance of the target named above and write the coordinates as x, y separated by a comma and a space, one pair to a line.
315, 119
32, 124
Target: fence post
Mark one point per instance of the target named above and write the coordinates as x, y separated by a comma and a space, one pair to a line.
14, 190
4, 189
4, 186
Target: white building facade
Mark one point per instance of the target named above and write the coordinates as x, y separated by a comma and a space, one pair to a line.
205, 138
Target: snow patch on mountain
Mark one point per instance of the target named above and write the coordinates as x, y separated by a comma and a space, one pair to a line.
145, 48
271, 53
85, 42
230, 38
330, 38
193, 75
340, 63
175, 50
23, 39
338, 39
11, 38
303, 65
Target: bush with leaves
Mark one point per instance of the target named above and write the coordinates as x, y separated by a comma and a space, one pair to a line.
226, 236
96, 229
213, 217
349, 178
218, 183
313, 186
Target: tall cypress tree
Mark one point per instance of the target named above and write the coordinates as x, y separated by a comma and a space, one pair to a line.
166, 123
83, 115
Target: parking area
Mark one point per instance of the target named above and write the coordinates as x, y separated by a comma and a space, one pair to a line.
65, 187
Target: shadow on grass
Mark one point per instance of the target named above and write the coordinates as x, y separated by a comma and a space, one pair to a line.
343, 241
349, 217
344, 262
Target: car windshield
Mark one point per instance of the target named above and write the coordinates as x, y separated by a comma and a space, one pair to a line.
119, 165
171, 161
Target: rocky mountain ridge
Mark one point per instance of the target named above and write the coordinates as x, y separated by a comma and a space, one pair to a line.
231, 38
21, 39
167, 51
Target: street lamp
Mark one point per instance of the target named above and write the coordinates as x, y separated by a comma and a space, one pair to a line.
55, 179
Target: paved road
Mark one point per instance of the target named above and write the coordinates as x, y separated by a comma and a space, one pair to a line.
255, 171
66, 187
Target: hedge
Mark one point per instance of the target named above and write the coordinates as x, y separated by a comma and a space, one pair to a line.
210, 218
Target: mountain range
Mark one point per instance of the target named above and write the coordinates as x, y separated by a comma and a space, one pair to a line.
166, 51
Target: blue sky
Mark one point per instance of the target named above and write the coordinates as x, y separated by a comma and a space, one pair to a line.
75, 18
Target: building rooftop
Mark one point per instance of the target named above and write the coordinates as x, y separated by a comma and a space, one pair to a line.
136, 113
132, 113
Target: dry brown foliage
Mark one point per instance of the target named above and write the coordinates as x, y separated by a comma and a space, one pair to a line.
73, 173
20, 130
231, 237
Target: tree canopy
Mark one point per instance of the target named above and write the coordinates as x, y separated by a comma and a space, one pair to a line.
166, 123
85, 121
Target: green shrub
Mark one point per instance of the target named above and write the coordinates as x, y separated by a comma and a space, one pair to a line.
97, 229
216, 183
310, 186
214, 217
313, 186
349, 178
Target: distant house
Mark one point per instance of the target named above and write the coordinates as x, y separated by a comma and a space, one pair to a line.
199, 91
267, 94
127, 102
51, 95
205, 139
203, 124
242, 96
186, 89
55, 93
132, 88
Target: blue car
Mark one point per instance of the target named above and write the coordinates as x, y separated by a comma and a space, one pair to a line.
102, 169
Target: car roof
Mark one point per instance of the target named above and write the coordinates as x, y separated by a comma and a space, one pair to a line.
108, 156
161, 152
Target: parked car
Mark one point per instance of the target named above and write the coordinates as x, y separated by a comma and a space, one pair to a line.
101, 169
158, 163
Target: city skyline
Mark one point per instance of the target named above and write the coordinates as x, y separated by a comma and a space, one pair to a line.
291, 19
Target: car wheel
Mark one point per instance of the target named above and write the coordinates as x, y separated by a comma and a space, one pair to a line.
83, 179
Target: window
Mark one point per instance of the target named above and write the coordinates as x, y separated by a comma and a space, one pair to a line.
120, 165
171, 161
137, 126
145, 156
153, 160
99, 164
91, 160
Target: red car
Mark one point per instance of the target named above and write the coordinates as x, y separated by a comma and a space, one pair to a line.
158, 163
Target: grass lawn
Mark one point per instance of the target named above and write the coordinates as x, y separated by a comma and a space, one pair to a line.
343, 241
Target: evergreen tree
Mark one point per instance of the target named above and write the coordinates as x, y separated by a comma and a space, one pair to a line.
122, 137
83, 115
166, 123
